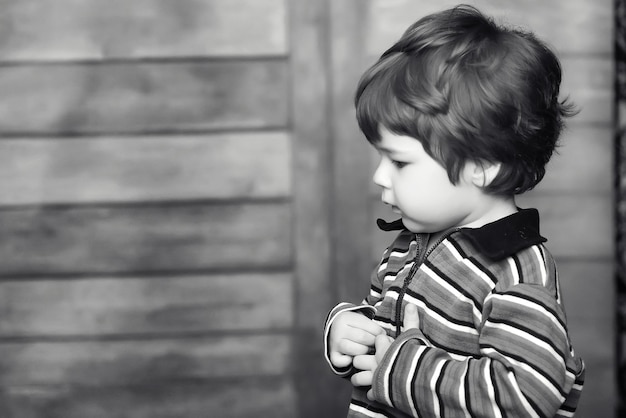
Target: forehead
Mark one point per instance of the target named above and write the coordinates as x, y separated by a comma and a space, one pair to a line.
394, 143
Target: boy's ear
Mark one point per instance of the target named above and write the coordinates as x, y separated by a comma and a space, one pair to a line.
483, 173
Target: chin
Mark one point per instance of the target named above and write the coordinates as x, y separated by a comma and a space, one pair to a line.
414, 226
419, 228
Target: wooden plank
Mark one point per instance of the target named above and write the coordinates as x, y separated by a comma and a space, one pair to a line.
583, 163
588, 289
132, 362
588, 81
576, 26
600, 394
351, 153
83, 29
123, 169
242, 398
142, 97
576, 226
309, 28
594, 341
590, 284
588, 293
312, 159
146, 306
174, 237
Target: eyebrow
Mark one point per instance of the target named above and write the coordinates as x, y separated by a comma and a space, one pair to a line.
385, 149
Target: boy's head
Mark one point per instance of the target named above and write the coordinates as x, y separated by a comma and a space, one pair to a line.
470, 91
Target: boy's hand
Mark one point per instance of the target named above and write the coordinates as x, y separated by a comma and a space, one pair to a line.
351, 334
369, 363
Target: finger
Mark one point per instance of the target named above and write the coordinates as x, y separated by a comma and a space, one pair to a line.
383, 342
382, 345
363, 378
340, 360
370, 395
411, 317
366, 362
368, 325
352, 348
360, 336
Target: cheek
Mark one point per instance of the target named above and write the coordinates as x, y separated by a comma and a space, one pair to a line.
433, 185
410, 187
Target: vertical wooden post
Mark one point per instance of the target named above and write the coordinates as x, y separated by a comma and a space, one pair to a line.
352, 218
311, 158
309, 59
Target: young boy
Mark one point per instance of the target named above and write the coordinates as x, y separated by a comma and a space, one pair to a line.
464, 316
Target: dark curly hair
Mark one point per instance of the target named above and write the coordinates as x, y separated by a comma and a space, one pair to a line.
469, 90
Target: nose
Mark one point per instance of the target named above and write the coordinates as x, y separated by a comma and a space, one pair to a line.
381, 175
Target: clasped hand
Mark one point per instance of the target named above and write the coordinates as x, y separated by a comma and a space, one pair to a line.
352, 337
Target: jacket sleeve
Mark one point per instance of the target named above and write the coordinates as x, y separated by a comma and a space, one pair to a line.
525, 368
367, 308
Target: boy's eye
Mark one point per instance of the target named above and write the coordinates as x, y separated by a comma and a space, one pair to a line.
399, 164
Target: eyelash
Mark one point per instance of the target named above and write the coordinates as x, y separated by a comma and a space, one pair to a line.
399, 164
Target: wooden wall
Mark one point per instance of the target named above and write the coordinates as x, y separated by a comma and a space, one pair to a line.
146, 208
184, 193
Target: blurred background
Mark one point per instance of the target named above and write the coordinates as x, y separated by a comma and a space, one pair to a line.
184, 194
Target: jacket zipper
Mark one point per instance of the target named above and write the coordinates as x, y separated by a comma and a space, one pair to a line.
417, 262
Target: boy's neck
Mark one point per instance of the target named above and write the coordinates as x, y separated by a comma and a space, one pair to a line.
493, 209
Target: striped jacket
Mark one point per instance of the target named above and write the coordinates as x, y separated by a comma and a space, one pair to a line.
492, 340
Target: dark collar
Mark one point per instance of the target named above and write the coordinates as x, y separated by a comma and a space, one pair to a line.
496, 240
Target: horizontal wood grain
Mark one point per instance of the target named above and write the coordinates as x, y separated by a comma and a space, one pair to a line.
587, 286
312, 132
247, 398
594, 341
600, 398
583, 163
576, 226
172, 237
593, 338
131, 362
142, 97
146, 306
576, 26
41, 30
588, 82
127, 169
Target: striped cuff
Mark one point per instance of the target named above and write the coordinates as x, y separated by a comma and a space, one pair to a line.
366, 310
381, 381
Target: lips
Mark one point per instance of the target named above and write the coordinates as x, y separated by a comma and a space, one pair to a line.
394, 208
